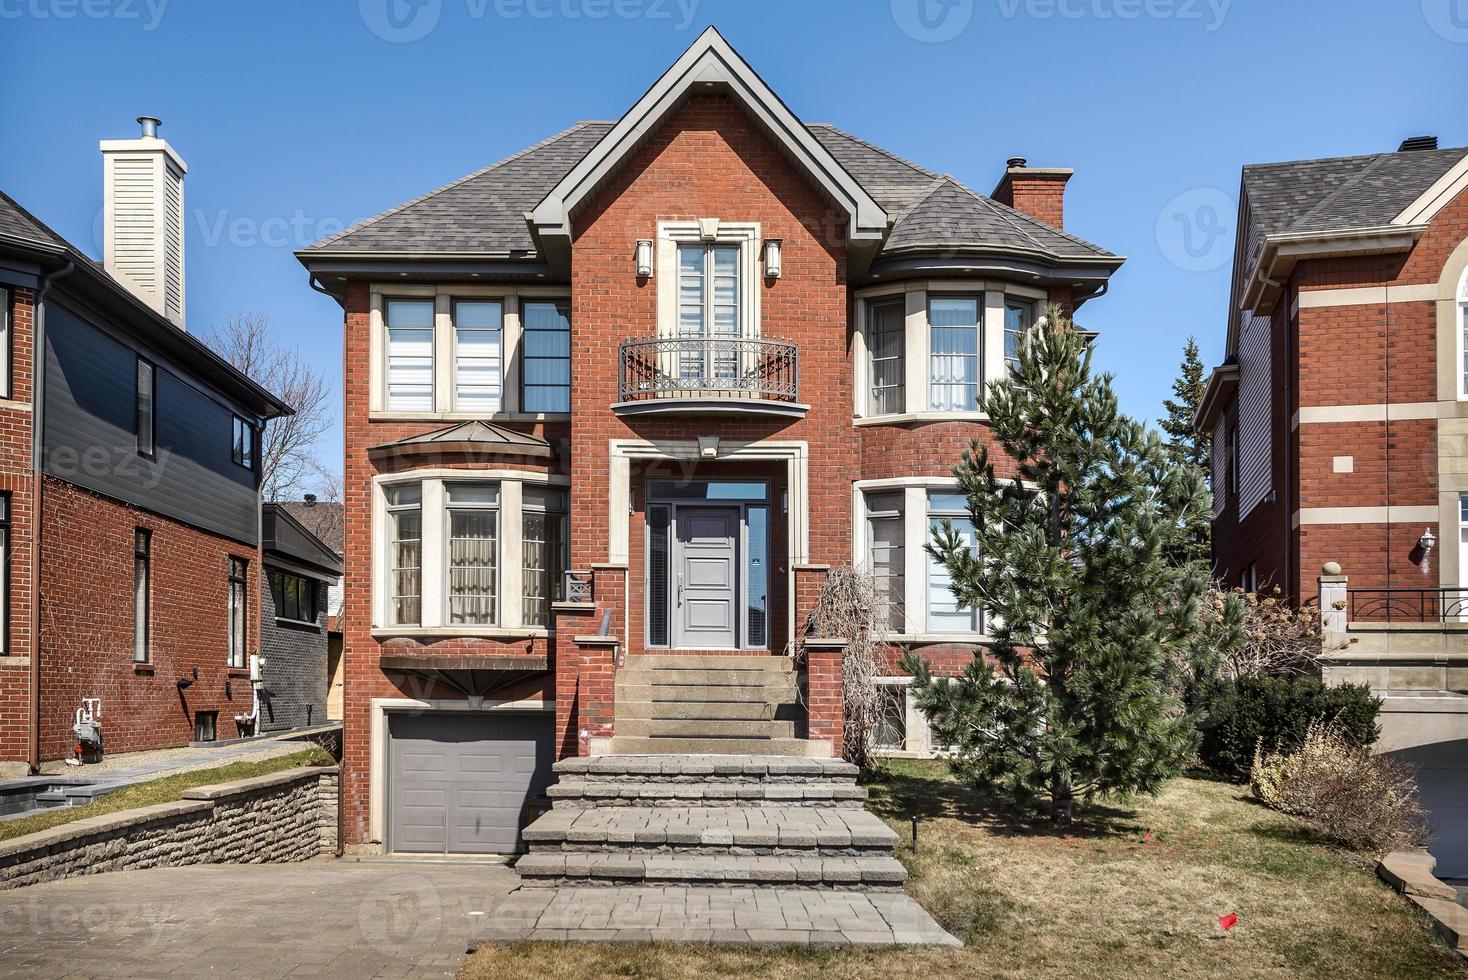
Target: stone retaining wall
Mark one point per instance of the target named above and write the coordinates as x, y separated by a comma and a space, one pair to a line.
284, 817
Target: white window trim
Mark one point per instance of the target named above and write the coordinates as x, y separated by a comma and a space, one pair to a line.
671, 234
509, 306
1461, 343
434, 585
443, 297
916, 349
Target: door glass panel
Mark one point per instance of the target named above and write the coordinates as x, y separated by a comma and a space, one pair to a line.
757, 576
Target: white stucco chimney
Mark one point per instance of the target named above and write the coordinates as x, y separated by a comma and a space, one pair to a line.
143, 218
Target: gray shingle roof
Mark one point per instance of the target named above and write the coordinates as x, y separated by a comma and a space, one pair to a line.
1341, 193
484, 213
17, 222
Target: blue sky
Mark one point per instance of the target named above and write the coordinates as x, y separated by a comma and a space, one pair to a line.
299, 116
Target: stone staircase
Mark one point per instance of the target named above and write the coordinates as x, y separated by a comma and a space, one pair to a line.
727, 704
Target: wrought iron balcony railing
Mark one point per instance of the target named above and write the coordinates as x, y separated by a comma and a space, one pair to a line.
703, 368
1440, 605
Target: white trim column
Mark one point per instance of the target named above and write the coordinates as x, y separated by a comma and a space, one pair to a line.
432, 588
915, 356
860, 363
512, 334
915, 559
511, 556
993, 347
443, 353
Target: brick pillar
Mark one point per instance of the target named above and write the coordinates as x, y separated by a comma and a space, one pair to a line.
825, 706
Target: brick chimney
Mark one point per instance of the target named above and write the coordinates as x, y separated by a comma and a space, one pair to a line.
1037, 191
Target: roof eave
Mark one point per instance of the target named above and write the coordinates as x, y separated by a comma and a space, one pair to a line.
1221, 385
1282, 251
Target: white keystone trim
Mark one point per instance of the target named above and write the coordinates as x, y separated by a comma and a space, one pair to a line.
1365, 515
1367, 296
377, 769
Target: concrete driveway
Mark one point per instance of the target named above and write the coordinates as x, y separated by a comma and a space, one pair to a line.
385, 918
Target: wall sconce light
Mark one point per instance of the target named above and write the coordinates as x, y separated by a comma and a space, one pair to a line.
772, 258
644, 258
1426, 542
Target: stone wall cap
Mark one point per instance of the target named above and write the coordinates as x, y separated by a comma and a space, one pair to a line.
241, 787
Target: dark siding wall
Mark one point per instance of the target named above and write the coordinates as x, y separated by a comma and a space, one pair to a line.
90, 439
294, 692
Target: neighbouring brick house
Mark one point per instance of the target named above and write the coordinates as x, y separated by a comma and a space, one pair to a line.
1339, 419
614, 407
301, 570
325, 520
136, 446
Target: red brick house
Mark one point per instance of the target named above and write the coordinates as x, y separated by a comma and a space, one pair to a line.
129, 482
1339, 419
616, 404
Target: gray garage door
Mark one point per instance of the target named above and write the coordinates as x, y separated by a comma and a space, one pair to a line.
458, 784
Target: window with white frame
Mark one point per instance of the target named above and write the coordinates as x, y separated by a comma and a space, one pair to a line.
409, 383
955, 326
708, 309
1463, 335
887, 344
543, 551
547, 360
1017, 320
405, 554
473, 552
478, 355
887, 556
238, 587
945, 615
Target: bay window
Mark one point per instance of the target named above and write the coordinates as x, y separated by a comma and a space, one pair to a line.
405, 553
473, 533
409, 383
945, 615
886, 555
888, 346
543, 551
1017, 318
954, 327
478, 355
547, 360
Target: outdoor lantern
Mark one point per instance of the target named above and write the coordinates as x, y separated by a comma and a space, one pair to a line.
644, 258
1427, 540
772, 258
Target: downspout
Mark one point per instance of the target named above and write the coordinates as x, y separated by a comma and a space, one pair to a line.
38, 403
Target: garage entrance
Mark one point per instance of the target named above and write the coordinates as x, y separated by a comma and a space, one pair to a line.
459, 783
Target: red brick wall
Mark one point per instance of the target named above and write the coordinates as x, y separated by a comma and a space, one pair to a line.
16, 479
89, 629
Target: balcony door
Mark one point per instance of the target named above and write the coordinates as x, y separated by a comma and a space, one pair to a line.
708, 314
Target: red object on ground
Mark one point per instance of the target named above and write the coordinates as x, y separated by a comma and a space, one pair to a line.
1228, 921
1146, 837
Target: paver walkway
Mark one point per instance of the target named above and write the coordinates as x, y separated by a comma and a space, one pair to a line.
775, 916
332, 919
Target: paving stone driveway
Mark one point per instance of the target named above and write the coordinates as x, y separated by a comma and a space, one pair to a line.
324, 919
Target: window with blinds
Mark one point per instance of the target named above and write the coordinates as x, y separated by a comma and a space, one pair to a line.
543, 551
478, 355
405, 554
888, 342
886, 554
1253, 477
409, 355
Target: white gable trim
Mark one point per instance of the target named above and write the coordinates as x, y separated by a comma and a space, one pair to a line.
709, 62
1436, 197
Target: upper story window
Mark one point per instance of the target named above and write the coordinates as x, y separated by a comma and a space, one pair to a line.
1017, 317
242, 449
405, 553
473, 555
547, 362
478, 355
708, 290
888, 347
955, 325
143, 403
409, 355
295, 596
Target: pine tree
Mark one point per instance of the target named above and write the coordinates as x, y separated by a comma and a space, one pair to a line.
1078, 568
1184, 441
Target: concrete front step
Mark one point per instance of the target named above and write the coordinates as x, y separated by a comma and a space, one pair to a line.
778, 693
725, 710
827, 832
663, 677
574, 792
728, 768
705, 728
707, 661
649, 745
869, 872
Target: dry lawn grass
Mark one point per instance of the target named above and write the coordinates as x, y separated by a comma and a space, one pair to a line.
1096, 902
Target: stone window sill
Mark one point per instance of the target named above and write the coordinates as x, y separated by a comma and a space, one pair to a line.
906, 418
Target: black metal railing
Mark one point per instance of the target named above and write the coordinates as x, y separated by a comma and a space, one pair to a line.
1446, 605
708, 367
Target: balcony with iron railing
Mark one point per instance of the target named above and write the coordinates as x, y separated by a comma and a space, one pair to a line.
708, 374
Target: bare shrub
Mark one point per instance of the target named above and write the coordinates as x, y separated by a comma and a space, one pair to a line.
1276, 639
1364, 801
850, 607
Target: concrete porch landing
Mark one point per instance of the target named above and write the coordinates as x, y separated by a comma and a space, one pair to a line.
734, 915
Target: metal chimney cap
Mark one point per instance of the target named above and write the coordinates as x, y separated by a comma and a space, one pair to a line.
150, 126
1015, 162
1412, 143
